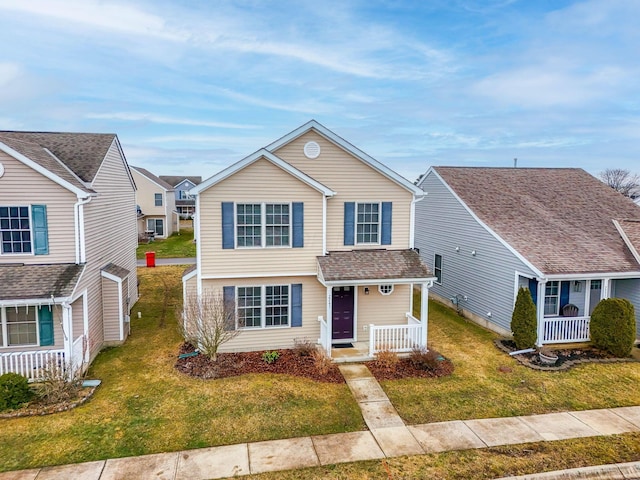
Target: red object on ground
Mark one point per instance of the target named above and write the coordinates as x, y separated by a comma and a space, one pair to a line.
151, 259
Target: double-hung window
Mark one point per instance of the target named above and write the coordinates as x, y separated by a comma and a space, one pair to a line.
437, 268
368, 223
20, 324
263, 225
157, 197
552, 298
264, 306
15, 230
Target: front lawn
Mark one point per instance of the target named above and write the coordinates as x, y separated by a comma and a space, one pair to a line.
145, 406
178, 245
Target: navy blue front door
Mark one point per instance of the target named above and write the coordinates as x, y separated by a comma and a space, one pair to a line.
342, 322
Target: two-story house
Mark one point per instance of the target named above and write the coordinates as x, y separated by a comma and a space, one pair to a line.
185, 203
157, 215
312, 239
67, 248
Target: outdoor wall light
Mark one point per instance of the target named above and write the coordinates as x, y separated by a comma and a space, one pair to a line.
366, 290
473, 253
457, 249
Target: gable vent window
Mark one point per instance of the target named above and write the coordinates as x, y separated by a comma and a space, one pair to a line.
311, 150
385, 289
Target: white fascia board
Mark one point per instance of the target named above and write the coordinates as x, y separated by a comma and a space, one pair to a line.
47, 173
593, 276
23, 302
245, 162
626, 239
111, 276
484, 225
379, 281
259, 275
190, 275
355, 151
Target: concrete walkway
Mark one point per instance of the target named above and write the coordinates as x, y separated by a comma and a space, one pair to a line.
388, 436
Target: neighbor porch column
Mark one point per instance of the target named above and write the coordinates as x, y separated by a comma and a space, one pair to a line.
606, 288
67, 331
424, 311
329, 319
542, 287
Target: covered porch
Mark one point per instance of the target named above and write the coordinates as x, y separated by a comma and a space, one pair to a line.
369, 300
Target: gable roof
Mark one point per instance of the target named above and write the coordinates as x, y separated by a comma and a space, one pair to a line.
262, 153
559, 219
630, 232
82, 153
157, 180
356, 152
176, 180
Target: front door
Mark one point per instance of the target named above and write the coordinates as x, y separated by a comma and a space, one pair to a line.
342, 323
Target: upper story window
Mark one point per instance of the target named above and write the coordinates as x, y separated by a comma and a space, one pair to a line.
552, 298
157, 199
15, 229
184, 195
437, 268
263, 224
368, 223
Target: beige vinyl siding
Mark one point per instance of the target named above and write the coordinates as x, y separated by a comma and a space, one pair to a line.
58, 336
77, 317
110, 310
260, 182
145, 198
379, 309
354, 181
22, 186
111, 237
313, 305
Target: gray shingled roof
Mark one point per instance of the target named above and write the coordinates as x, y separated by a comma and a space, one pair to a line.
154, 178
176, 179
560, 219
38, 281
115, 270
83, 153
631, 229
372, 265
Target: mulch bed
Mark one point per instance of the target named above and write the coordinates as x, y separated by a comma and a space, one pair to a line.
234, 364
405, 369
567, 357
36, 408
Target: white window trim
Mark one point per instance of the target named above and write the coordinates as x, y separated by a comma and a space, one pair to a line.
263, 225
4, 324
557, 296
161, 200
263, 307
436, 268
155, 219
32, 252
355, 223
381, 290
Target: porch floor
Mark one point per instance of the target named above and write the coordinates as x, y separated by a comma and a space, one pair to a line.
358, 353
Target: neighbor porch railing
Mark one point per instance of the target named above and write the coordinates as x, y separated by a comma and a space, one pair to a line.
566, 330
325, 336
396, 338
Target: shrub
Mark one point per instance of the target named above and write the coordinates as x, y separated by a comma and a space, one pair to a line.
303, 347
321, 361
14, 391
523, 321
613, 326
424, 359
387, 359
270, 357
56, 384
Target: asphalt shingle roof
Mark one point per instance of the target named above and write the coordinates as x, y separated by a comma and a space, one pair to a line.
115, 270
82, 153
372, 265
175, 179
631, 229
38, 281
560, 219
154, 178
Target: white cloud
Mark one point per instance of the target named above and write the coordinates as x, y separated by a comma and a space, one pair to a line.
161, 119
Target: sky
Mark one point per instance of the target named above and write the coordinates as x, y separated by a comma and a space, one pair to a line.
190, 87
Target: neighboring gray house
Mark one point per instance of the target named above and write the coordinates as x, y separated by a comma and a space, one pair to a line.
67, 248
185, 203
560, 232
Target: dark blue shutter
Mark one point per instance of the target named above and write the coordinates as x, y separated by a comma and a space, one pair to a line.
296, 305
227, 225
533, 288
349, 219
386, 223
564, 294
45, 319
40, 233
229, 298
298, 224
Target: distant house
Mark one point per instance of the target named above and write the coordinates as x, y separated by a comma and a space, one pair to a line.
157, 215
311, 238
560, 232
185, 203
68, 248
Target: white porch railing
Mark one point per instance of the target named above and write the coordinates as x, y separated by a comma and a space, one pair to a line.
325, 337
78, 354
27, 364
566, 329
396, 338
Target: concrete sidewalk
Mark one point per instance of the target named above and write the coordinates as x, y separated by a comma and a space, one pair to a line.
388, 436
169, 261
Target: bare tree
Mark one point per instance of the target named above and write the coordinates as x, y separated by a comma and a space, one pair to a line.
623, 181
208, 321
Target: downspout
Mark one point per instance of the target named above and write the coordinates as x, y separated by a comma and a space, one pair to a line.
78, 218
412, 220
